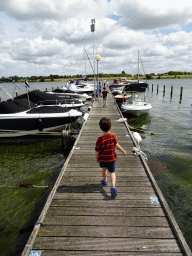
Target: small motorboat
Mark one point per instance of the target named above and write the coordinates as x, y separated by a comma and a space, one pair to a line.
135, 106
42, 98
120, 98
69, 94
35, 111
35, 118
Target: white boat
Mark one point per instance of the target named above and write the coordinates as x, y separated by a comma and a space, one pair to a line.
135, 106
87, 89
68, 94
38, 118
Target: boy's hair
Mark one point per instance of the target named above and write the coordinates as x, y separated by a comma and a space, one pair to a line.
105, 124
104, 88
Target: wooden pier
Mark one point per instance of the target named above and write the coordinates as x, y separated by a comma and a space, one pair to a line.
81, 218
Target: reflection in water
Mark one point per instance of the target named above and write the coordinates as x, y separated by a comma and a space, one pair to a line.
157, 168
138, 123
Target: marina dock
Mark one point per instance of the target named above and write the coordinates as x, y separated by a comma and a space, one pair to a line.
81, 218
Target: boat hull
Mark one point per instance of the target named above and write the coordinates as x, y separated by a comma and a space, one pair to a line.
135, 110
36, 123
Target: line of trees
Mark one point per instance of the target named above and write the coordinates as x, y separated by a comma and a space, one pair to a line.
91, 76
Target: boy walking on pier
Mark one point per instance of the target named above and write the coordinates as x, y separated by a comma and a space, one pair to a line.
104, 92
106, 155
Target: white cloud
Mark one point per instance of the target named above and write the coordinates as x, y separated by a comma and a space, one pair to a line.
38, 37
139, 15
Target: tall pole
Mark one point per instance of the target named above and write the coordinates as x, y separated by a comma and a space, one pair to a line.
138, 65
92, 30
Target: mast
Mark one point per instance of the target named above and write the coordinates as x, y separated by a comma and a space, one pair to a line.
138, 65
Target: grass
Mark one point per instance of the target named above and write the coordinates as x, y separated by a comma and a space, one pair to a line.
112, 78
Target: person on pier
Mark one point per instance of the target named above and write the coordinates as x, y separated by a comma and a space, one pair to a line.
106, 155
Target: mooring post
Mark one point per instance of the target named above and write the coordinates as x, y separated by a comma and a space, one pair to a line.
157, 88
171, 91
16, 93
152, 87
164, 90
181, 93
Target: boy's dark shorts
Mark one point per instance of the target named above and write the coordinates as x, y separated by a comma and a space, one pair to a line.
110, 166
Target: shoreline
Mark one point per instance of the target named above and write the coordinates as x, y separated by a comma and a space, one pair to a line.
112, 78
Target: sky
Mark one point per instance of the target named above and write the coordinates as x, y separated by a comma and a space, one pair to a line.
43, 37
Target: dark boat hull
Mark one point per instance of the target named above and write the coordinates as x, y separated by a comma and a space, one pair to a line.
29, 124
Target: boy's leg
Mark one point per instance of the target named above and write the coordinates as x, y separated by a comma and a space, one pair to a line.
104, 172
113, 179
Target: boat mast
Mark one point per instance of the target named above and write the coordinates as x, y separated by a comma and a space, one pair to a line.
138, 65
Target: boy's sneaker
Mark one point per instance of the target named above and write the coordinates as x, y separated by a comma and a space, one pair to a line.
104, 183
113, 191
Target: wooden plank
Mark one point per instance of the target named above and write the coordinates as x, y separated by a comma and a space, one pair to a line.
103, 204
96, 211
93, 187
105, 231
115, 221
112, 244
101, 253
104, 196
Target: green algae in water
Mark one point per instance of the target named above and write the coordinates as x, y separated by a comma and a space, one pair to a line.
39, 163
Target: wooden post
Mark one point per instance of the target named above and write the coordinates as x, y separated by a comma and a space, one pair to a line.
181, 93
52, 88
46, 89
157, 88
152, 87
164, 90
171, 91
17, 94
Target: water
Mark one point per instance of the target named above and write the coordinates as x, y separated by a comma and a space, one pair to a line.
167, 142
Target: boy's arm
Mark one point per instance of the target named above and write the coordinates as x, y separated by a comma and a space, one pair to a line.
96, 155
120, 148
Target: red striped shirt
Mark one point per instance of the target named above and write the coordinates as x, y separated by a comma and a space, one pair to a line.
105, 145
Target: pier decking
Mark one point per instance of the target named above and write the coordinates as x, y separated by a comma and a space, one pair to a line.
81, 218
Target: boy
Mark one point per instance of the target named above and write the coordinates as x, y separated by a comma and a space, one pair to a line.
106, 155
104, 92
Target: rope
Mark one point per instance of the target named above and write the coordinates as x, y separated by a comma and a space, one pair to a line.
137, 152
89, 60
143, 67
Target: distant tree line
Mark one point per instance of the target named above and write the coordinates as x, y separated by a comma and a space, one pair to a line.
91, 76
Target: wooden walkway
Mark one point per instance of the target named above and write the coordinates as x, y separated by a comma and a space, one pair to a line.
81, 218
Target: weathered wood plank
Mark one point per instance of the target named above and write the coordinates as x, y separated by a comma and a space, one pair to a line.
104, 231
91, 188
95, 211
112, 244
107, 221
97, 180
102, 253
105, 204
128, 171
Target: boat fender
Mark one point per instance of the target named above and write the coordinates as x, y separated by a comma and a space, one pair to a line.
137, 137
40, 124
86, 115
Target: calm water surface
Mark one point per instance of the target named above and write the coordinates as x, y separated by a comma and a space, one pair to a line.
167, 142
169, 150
